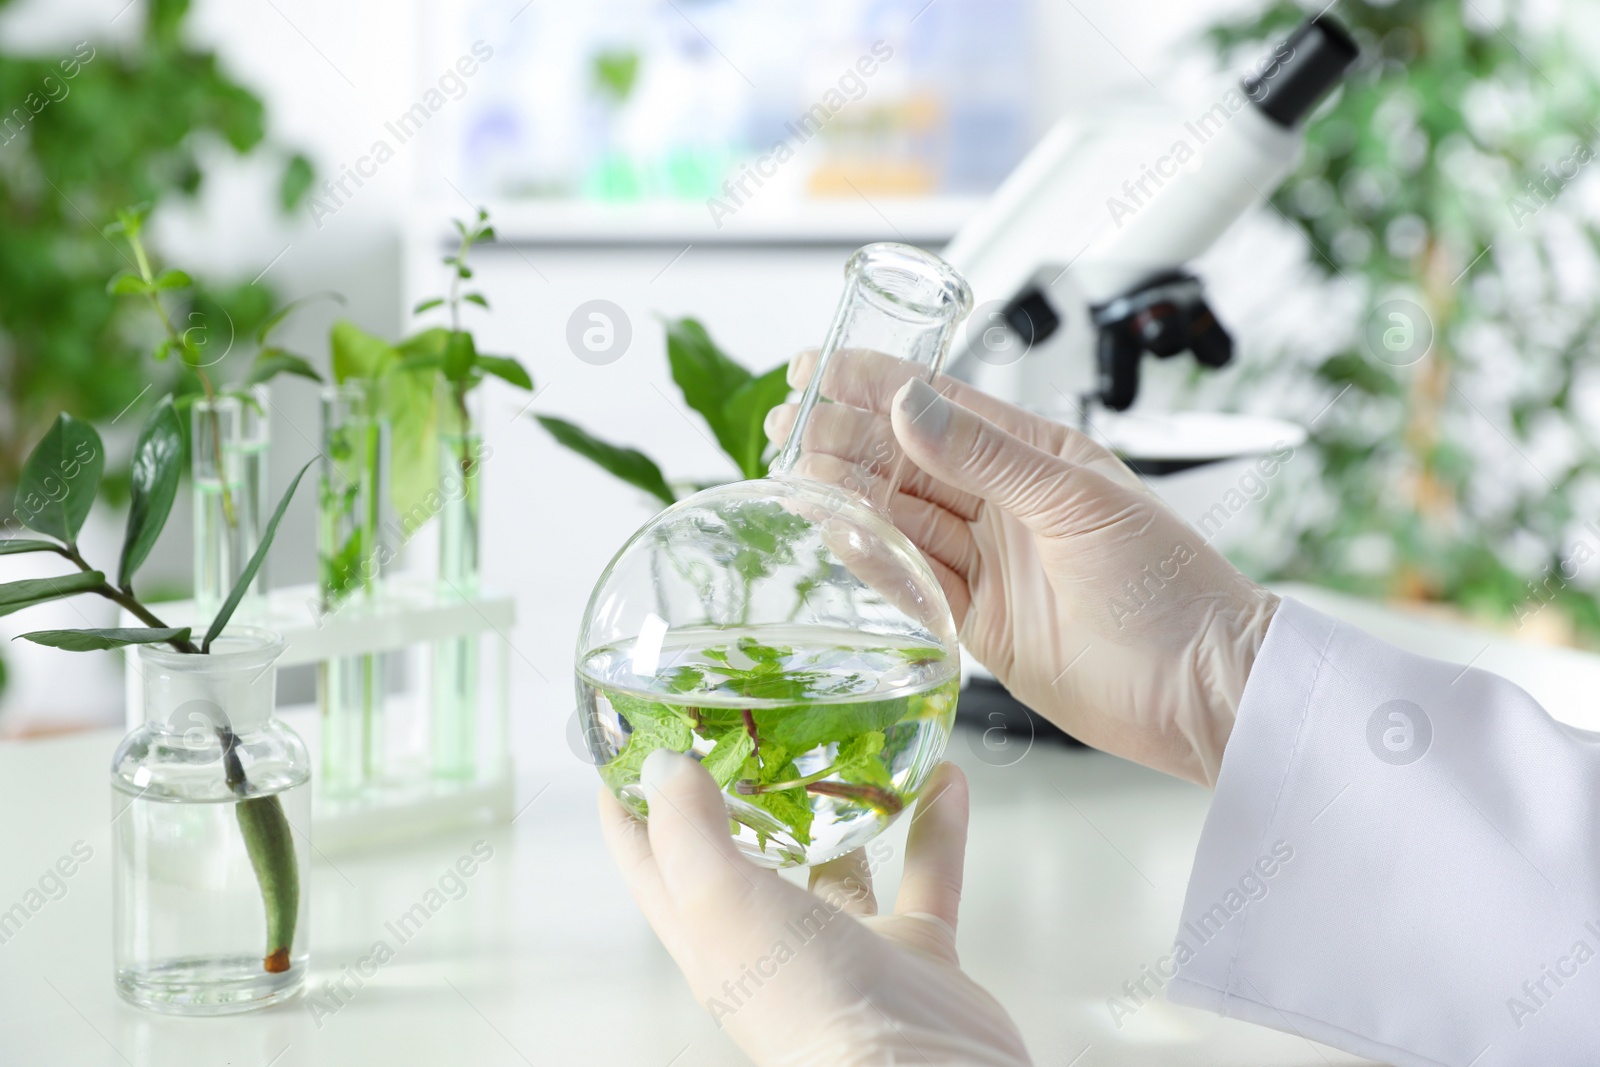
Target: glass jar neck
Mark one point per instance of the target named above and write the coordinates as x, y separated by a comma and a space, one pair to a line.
233, 686
899, 301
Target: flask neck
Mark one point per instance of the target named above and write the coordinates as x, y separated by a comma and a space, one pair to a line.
899, 303
873, 474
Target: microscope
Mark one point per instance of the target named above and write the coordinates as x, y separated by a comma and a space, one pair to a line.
1091, 274
1078, 277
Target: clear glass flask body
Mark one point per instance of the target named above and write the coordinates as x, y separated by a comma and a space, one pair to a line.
782, 630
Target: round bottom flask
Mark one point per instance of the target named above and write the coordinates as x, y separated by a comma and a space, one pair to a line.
782, 630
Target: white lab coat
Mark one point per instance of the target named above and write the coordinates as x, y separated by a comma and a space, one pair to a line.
1402, 860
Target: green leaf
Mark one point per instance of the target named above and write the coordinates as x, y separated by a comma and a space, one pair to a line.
427, 305
745, 414
615, 73
60, 478
358, 354
296, 182
410, 405
271, 362
631, 465
173, 279
127, 283
792, 807
763, 534
12, 546
420, 361
477, 298
14, 596
157, 466
858, 760
802, 727
651, 726
272, 321
248, 575
506, 368
130, 220
460, 355
97, 640
727, 756
708, 380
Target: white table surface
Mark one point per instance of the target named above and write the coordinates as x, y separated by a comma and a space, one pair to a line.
1075, 875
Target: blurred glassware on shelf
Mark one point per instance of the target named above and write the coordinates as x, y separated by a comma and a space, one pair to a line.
627, 100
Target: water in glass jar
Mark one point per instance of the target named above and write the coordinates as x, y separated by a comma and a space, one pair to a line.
818, 736
192, 929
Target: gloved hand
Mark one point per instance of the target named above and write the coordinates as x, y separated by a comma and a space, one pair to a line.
800, 978
1074, 584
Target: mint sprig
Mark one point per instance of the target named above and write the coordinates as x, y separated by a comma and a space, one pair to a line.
753, 750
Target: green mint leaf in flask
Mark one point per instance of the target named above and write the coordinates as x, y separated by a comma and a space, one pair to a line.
782, 630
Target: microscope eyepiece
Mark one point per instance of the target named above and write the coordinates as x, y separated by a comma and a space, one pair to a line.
1301, 71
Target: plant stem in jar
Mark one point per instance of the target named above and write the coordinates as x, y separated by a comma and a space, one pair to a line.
270, 844
883, 799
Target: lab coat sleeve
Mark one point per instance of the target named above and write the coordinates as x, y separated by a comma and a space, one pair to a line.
1402, 860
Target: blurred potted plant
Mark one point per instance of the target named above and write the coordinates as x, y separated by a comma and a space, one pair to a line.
128, 125
1459, 474
101, 124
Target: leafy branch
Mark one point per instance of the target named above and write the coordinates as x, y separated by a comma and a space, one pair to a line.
144, 281
733, 401
406, 373
57, 489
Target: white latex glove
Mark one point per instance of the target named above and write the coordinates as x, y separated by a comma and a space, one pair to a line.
814, 978
1074, 584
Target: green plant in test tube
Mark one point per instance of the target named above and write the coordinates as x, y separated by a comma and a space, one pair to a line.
348, 503
429, 392
461, 370
229, 425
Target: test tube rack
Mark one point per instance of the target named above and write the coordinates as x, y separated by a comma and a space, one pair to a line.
406, 616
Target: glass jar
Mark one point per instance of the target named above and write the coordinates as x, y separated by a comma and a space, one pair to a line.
782, 630
211, 804
455, 660
350, 688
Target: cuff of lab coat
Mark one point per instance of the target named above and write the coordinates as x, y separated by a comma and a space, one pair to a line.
1239, 852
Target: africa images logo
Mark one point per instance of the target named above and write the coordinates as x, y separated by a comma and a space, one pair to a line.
1399, 732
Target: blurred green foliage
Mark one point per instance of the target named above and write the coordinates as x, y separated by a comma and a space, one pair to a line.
83, 134
1470, 476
